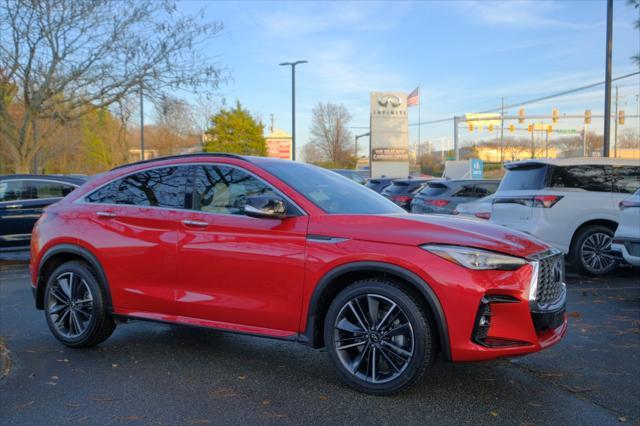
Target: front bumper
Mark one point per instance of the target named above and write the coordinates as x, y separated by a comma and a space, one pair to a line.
513, 316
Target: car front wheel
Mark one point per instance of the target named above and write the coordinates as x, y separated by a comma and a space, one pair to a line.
378, 337
75, 306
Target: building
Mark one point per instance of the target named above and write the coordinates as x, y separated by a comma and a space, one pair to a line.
279, 144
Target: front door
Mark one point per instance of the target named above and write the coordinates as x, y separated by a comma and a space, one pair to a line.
236, 270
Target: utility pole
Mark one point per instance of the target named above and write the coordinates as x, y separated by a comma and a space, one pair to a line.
615, 128
141, 123
356, 141
607, 83
533, 132
456, 146
502, 130
293, 104
584, 140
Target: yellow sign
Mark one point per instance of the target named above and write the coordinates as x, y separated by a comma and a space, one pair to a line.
483, 119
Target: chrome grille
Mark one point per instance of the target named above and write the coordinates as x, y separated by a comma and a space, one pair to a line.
550, 279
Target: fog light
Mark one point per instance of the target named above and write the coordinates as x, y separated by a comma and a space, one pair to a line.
483, 322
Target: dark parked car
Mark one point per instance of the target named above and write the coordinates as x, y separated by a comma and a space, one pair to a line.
443, 196
351, 174
402, 191
22, 198
378, 184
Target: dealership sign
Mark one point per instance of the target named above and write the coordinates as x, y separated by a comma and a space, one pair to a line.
389, 134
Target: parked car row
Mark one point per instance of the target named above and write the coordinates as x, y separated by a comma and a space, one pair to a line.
572, 204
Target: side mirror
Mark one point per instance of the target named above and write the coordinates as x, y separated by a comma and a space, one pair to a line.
265, 206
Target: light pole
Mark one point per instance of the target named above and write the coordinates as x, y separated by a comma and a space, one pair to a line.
607, 84
293, 104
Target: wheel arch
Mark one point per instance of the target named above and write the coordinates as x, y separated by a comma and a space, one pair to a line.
612, 224
62, 253
338, 278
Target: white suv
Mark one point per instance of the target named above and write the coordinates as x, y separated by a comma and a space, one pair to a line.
571, 204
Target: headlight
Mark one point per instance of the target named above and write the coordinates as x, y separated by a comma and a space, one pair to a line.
474, 258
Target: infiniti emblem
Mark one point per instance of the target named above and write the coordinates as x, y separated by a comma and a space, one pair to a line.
392, 100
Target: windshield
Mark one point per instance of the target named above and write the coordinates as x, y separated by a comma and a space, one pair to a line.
331, 192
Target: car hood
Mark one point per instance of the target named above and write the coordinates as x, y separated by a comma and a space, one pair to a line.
414, 229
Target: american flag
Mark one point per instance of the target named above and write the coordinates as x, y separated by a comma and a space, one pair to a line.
414, 97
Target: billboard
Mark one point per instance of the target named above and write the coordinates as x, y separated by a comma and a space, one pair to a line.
389, 134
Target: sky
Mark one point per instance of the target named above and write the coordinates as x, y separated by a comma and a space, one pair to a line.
465, 55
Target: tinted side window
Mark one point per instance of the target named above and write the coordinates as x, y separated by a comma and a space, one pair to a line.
162, 187
10, 190
484, 189
588, 177
466, 191
626, 179
524, 178
44, 189
222, 189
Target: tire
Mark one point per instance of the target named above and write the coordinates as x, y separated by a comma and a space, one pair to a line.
589, 251
401, 330
77, 315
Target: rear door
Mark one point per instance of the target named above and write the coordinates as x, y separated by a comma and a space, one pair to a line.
131, 225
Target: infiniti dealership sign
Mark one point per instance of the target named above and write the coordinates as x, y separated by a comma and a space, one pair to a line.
389, 154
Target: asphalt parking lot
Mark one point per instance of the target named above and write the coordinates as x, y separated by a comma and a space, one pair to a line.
160, 374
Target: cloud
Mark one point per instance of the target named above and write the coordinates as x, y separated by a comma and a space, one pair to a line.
312, 18
518, 13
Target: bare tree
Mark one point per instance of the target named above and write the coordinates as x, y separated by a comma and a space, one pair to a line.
59, 56
330, 134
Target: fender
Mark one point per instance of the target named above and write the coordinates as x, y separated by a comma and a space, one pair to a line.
418, 283
78, 251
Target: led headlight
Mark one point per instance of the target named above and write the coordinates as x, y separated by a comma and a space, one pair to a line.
474, 258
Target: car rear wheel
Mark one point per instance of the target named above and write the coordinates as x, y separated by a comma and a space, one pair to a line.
378, 337
591, 251
75, 306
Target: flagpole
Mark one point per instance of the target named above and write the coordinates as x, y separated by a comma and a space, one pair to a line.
419, 113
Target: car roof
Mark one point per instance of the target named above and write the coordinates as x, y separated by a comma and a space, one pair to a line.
195, 154
574, 162
413, 180
58, 178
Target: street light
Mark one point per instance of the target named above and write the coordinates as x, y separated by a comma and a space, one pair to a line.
293, 104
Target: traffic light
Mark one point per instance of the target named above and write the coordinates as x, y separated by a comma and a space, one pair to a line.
621, 117
512, 128
491, 127
554, 115
587, 116
470, 125
549, 128
530, 128
521, 116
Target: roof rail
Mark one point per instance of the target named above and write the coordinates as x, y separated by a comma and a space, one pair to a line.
195, 154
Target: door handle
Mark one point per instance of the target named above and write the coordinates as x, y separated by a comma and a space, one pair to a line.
195, 223
106, 214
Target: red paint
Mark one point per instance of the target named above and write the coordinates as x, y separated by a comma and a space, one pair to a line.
437, 203
258, 276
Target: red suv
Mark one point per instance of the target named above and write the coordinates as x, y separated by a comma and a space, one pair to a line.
291, 251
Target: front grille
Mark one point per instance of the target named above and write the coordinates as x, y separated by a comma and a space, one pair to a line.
550, 279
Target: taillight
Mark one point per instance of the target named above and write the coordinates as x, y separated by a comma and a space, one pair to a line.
541, 201
546, 201
483, 215
628, 203
437, 203
401, 198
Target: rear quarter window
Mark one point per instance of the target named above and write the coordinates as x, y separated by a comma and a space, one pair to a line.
523, 178
590, 177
